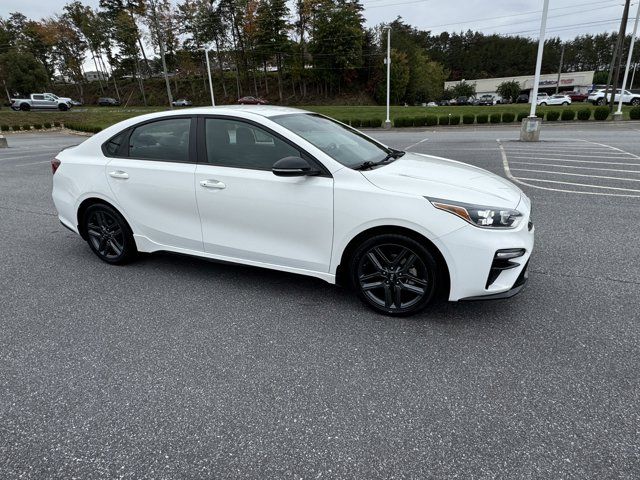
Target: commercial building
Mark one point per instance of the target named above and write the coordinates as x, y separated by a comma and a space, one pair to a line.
578, 81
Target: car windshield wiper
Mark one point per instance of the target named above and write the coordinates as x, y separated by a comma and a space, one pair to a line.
390, 157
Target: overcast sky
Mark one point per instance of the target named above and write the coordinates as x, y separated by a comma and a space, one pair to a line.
567, 18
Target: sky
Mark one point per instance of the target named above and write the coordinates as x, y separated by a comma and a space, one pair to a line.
567, 18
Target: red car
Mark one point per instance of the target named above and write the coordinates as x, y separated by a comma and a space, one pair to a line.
252, 101
576, 96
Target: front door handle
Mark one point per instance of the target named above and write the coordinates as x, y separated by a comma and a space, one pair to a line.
212, 184
119, 174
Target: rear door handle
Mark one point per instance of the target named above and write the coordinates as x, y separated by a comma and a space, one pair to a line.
119, 174
213, 184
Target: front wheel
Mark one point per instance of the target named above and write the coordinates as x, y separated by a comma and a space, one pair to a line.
63, 107
564, 104
109, 235
25, 107
601, 101
394, 274
543, 104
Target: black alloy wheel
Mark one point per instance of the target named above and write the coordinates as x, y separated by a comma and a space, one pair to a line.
108, 235
25, 107
635, 102
394, 274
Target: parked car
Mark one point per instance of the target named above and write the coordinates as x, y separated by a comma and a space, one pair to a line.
444, 103
41, 101
252, 101
597, 97
576, 96
182, 102
522, 98
558, 99
462, 101
108, 102
432, 104
487, 99
291, 190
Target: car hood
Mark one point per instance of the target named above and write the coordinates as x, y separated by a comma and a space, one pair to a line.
436, 177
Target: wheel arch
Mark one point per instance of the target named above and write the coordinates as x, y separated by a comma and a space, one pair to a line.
443, 267
86, 203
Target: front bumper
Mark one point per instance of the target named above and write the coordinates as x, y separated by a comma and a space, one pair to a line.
520, 284
470, 253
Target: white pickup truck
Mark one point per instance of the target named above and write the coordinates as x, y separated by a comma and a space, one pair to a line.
41, 101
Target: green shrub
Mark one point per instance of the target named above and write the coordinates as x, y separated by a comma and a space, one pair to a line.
431, 120
584, 114
468, 118
56, 124
634, 113
16, 128
4, 128
482, 118
495, 118
376, 122
443, 120
601, 113
454, 120
356, 122
366, 123
508, 117
552, 115
401, 122
568, 114
419, 121
522, 116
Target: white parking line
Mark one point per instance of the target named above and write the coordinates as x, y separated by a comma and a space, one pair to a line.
556, 159
32, 163
633, 193
618, 157
577, 174
416, 144
577, 167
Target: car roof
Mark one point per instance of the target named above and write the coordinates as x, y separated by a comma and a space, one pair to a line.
263, 110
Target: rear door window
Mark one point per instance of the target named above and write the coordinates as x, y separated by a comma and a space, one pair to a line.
166, 140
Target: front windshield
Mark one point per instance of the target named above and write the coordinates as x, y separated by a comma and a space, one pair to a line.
339, 142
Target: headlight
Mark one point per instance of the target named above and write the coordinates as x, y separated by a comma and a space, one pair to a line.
480, 216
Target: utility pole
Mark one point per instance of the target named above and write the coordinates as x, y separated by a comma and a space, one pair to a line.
530, 130
560, 68
387, 122
160, 38
621, 34
618, 114
206, 54
633, 75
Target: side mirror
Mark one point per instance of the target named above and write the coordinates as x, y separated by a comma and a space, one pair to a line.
293, 167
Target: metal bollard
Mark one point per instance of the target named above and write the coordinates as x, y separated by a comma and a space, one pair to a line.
3, 142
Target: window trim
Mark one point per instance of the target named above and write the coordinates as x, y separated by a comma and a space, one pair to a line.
202, 143
123, 150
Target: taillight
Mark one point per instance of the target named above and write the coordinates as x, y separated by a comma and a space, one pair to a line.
55, 163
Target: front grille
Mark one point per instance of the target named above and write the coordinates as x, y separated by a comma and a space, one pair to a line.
502, 260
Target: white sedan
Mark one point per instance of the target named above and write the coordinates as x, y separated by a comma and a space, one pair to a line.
557, 99
295, 191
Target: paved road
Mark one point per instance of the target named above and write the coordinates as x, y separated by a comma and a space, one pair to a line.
180, 368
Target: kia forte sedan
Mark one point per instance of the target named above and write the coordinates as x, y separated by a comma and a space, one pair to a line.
295, 191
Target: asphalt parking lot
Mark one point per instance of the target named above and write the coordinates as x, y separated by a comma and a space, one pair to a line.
174, 367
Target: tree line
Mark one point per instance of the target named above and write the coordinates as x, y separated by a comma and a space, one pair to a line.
317, 49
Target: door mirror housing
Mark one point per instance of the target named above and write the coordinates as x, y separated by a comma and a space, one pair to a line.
293, 167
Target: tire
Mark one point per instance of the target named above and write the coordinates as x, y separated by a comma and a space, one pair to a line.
25, 107
63, 107
601, 101
543, 104
394, 274
564, 104
109, 235
635, 102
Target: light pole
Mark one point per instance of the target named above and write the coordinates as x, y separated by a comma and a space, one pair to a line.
618, 114
530, 130
387, 122
206, 54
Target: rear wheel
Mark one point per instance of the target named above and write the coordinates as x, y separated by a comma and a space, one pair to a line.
394, 274
543, 104
601, 101
109, 235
